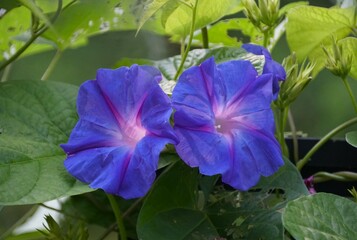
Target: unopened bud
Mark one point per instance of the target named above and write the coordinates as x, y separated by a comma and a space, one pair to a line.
338, 62
252, 12
269, 10
297, 78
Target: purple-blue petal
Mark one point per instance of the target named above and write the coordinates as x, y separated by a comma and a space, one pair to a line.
140, 173
222, 115
86, 135
191, 99
155, 114
93, 107
255, 153
125, 89
209, 151
123, 125
270, 65
101, 167
233, 70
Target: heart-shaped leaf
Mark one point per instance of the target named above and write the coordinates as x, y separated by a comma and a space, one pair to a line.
35, 117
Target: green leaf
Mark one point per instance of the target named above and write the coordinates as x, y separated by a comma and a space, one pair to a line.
14, 33
169, 209
179, 223
257, 214
321, 216
351, 138
36, 11
151, 7
208, 11
290, 6
35, 117
349, 46
309, 27
169, 66
86, 18
231, 32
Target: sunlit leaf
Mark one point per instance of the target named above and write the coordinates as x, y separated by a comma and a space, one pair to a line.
35, 117
321, 216
309, 27
30, 4
208, 11
232, 32
151, 7
86, 18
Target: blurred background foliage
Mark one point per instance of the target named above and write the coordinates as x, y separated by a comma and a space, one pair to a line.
323, 105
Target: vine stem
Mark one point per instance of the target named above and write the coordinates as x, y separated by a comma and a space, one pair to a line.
205, 42
192, 29
6, 73
52, 65
266, 38
294, 137
35, 34
23, 48
118, 216
349, 90
300, 164
281, 123
344, 176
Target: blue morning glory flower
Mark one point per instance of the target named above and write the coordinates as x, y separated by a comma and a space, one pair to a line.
224, 122
270, 66
123, 126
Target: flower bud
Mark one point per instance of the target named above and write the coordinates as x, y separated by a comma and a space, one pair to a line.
297, 79
269, 10
252, 12
338, 62
265, 16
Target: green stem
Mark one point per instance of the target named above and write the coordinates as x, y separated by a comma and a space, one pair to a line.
118, 216
192, 29
344, 176
52, 65
35, 34
349, 90
205, 37
300, 164
266, 38
23, 48
294, 136
182, 47
281, 123
6, 73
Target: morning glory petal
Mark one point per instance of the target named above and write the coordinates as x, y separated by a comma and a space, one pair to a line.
140, 173
238, 121
192, 98
156, 112
255, 154
92, 106
249, 100
207, 150
87, 135
98, 166
132, 83
233, 70
123, 125
270, 65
